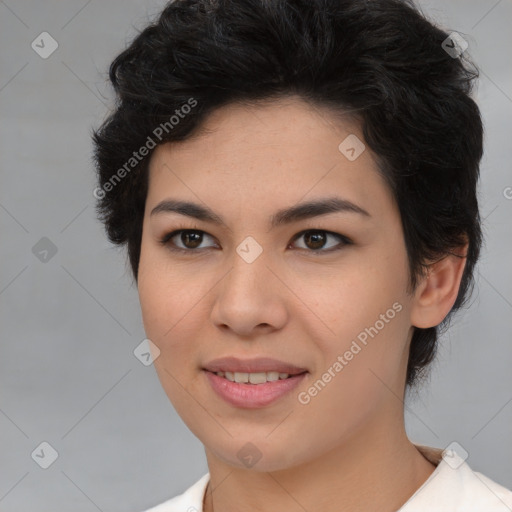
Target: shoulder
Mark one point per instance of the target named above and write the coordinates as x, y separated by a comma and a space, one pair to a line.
455, 487
190, 501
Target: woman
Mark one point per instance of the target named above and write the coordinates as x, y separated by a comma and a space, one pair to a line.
296, 184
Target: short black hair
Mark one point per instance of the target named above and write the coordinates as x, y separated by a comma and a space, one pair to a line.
381, 60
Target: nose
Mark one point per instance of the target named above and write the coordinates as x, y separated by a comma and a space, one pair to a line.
250, 300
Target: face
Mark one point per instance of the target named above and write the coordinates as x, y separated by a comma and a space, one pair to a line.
320, 295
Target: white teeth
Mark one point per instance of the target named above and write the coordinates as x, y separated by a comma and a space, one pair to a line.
257, 378
241, 377
253, 378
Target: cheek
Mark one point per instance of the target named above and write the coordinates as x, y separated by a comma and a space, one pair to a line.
162, 296
359, 369
355, 298
365, 310
164, 314
171, 309
153, 302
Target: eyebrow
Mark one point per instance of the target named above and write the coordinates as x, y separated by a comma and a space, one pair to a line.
285, 216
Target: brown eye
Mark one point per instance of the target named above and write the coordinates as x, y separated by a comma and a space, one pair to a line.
316, 239
191, 239
184, 240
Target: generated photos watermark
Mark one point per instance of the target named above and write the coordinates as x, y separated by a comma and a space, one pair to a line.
304, 397
137, 156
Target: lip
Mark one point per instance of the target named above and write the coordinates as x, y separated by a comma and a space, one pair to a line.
252, 396
259, 364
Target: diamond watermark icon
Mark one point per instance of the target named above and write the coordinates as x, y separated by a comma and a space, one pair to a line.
351, 147
44, 250
249, 249
454, 45
44, 45
249, 455
146, 352
44, 455
454, 455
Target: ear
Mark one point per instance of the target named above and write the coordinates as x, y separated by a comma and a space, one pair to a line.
437, 292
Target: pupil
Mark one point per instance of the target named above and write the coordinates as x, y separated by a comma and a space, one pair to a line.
318, 239
189, 235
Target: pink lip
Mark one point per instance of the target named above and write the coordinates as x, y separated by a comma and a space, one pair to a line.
260, 364
252, 396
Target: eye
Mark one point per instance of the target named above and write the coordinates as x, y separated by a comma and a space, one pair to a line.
190, 238
315, 240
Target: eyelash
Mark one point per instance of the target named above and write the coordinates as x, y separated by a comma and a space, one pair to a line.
165, 240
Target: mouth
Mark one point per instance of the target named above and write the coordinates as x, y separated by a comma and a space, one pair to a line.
256, 377
229, 367
252, 383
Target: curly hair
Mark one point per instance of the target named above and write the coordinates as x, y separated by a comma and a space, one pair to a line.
383, 61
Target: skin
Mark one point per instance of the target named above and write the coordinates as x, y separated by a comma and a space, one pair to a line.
346, 450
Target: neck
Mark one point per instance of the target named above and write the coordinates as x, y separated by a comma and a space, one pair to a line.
378, 469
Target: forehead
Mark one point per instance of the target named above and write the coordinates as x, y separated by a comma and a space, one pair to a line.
271, 154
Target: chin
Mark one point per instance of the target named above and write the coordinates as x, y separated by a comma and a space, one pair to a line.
257, 456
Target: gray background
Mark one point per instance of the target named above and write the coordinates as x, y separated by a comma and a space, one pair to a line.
69, 325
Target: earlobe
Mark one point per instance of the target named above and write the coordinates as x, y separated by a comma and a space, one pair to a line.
437, 292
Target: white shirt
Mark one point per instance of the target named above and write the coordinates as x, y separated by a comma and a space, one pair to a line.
452, 487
